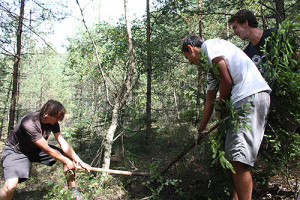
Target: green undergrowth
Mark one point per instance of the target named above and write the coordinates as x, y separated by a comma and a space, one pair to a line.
195, 176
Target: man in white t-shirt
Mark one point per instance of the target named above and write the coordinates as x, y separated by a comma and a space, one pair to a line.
239, 80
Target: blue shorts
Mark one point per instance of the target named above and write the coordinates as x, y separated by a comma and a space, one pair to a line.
17, 165
244, 144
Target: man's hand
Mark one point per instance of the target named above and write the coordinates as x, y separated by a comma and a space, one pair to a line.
84, 166
70, 166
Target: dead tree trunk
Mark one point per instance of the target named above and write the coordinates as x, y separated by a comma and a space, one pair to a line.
120, 101
122, 96
110, 137
17, 59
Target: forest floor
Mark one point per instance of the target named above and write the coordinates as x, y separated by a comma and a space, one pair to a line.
190, 178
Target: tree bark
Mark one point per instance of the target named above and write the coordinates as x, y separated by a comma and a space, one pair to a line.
200, 19
199, 70
42, 83
227, 25
4, 109
16, 67
149, 78
263, 16
109, 138
280, 13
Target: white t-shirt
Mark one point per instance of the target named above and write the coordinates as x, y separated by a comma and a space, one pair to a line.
246, 78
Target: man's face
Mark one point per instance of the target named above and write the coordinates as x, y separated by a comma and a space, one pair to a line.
192, 55
48, 119
240, 30
52, 120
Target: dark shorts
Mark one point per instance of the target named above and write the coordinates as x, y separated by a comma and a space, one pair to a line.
17, 165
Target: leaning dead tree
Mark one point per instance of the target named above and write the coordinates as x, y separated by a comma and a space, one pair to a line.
121, 96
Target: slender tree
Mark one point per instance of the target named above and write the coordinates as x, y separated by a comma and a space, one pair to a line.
4, 109
198, 107
120, 95
149, 77
280, 12
121, 99
16, 67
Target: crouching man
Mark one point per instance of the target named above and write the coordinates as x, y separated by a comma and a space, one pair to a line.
28, 143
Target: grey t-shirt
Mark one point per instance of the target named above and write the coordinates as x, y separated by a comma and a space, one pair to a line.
30, 129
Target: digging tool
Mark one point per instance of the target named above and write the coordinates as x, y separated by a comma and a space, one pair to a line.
112, 171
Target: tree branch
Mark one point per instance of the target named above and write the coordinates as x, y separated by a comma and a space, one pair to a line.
96, 52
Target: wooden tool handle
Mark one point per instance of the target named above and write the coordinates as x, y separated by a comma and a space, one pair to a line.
112, 171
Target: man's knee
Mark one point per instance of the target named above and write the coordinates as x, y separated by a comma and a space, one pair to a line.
240, 167
11, 184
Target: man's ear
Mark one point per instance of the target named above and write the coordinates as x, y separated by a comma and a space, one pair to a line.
191, 48
246, 23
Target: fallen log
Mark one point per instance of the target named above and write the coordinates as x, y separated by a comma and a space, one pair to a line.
185, 151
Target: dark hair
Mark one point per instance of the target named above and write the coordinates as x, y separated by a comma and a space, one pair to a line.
244, 15
195, 41
54, 109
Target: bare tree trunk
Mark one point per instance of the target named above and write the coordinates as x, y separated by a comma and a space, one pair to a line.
42, 83
149, 78
120, 101
17, 117
4, 109
199, 71
227, 24
16, 69
280, 13
81, 98
176, 104
200, 19
262, 16
109, 138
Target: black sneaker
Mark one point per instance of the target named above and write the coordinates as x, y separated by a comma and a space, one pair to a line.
76, 194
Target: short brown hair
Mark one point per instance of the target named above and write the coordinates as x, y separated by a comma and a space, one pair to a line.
54, 109
244, 15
